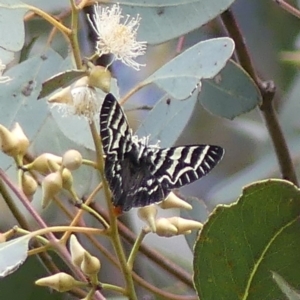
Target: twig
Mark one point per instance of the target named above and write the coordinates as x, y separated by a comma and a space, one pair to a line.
267, 90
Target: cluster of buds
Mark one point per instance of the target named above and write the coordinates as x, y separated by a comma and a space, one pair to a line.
81, 258
167, 227
58, 170
80, 98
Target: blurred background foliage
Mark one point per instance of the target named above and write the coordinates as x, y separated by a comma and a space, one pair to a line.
268, 31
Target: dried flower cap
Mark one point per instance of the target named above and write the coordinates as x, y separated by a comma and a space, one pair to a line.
72, 159
64, 96
148, 215
116, 38
61, 282
51, 185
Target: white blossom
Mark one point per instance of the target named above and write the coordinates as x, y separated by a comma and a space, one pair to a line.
116, 38
3, 79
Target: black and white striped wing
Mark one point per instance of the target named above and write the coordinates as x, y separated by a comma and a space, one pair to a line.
115, 133
177, 166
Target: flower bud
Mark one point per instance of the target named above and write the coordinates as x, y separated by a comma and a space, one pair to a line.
67, 179
90, 265
76, 250
41, 163
165, 228
100, 77
72, 160
184, 226
9, 142
29, 185
172, 201
23, 142
2, 238
63, 96
148, 215
51, 185
61, 282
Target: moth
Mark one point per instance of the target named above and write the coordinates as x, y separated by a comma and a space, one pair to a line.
139, 174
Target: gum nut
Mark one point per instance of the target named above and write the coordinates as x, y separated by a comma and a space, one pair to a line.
172, 201
72, 159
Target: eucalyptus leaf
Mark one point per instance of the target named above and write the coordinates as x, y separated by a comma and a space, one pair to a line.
242, 243
204, 60
231, 93
13, 254
59, 80
12, 32
160, 18
166, 120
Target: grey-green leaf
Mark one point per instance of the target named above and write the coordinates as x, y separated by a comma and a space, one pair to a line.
160, 18
166, 120
180, 76
13, 254
231, 93
12, 33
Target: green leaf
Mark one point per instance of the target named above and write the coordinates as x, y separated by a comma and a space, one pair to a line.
166, 120
285, 287
204, 60
59, 80
13, 254
231, 93
241, 244
160, 18
12, 33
